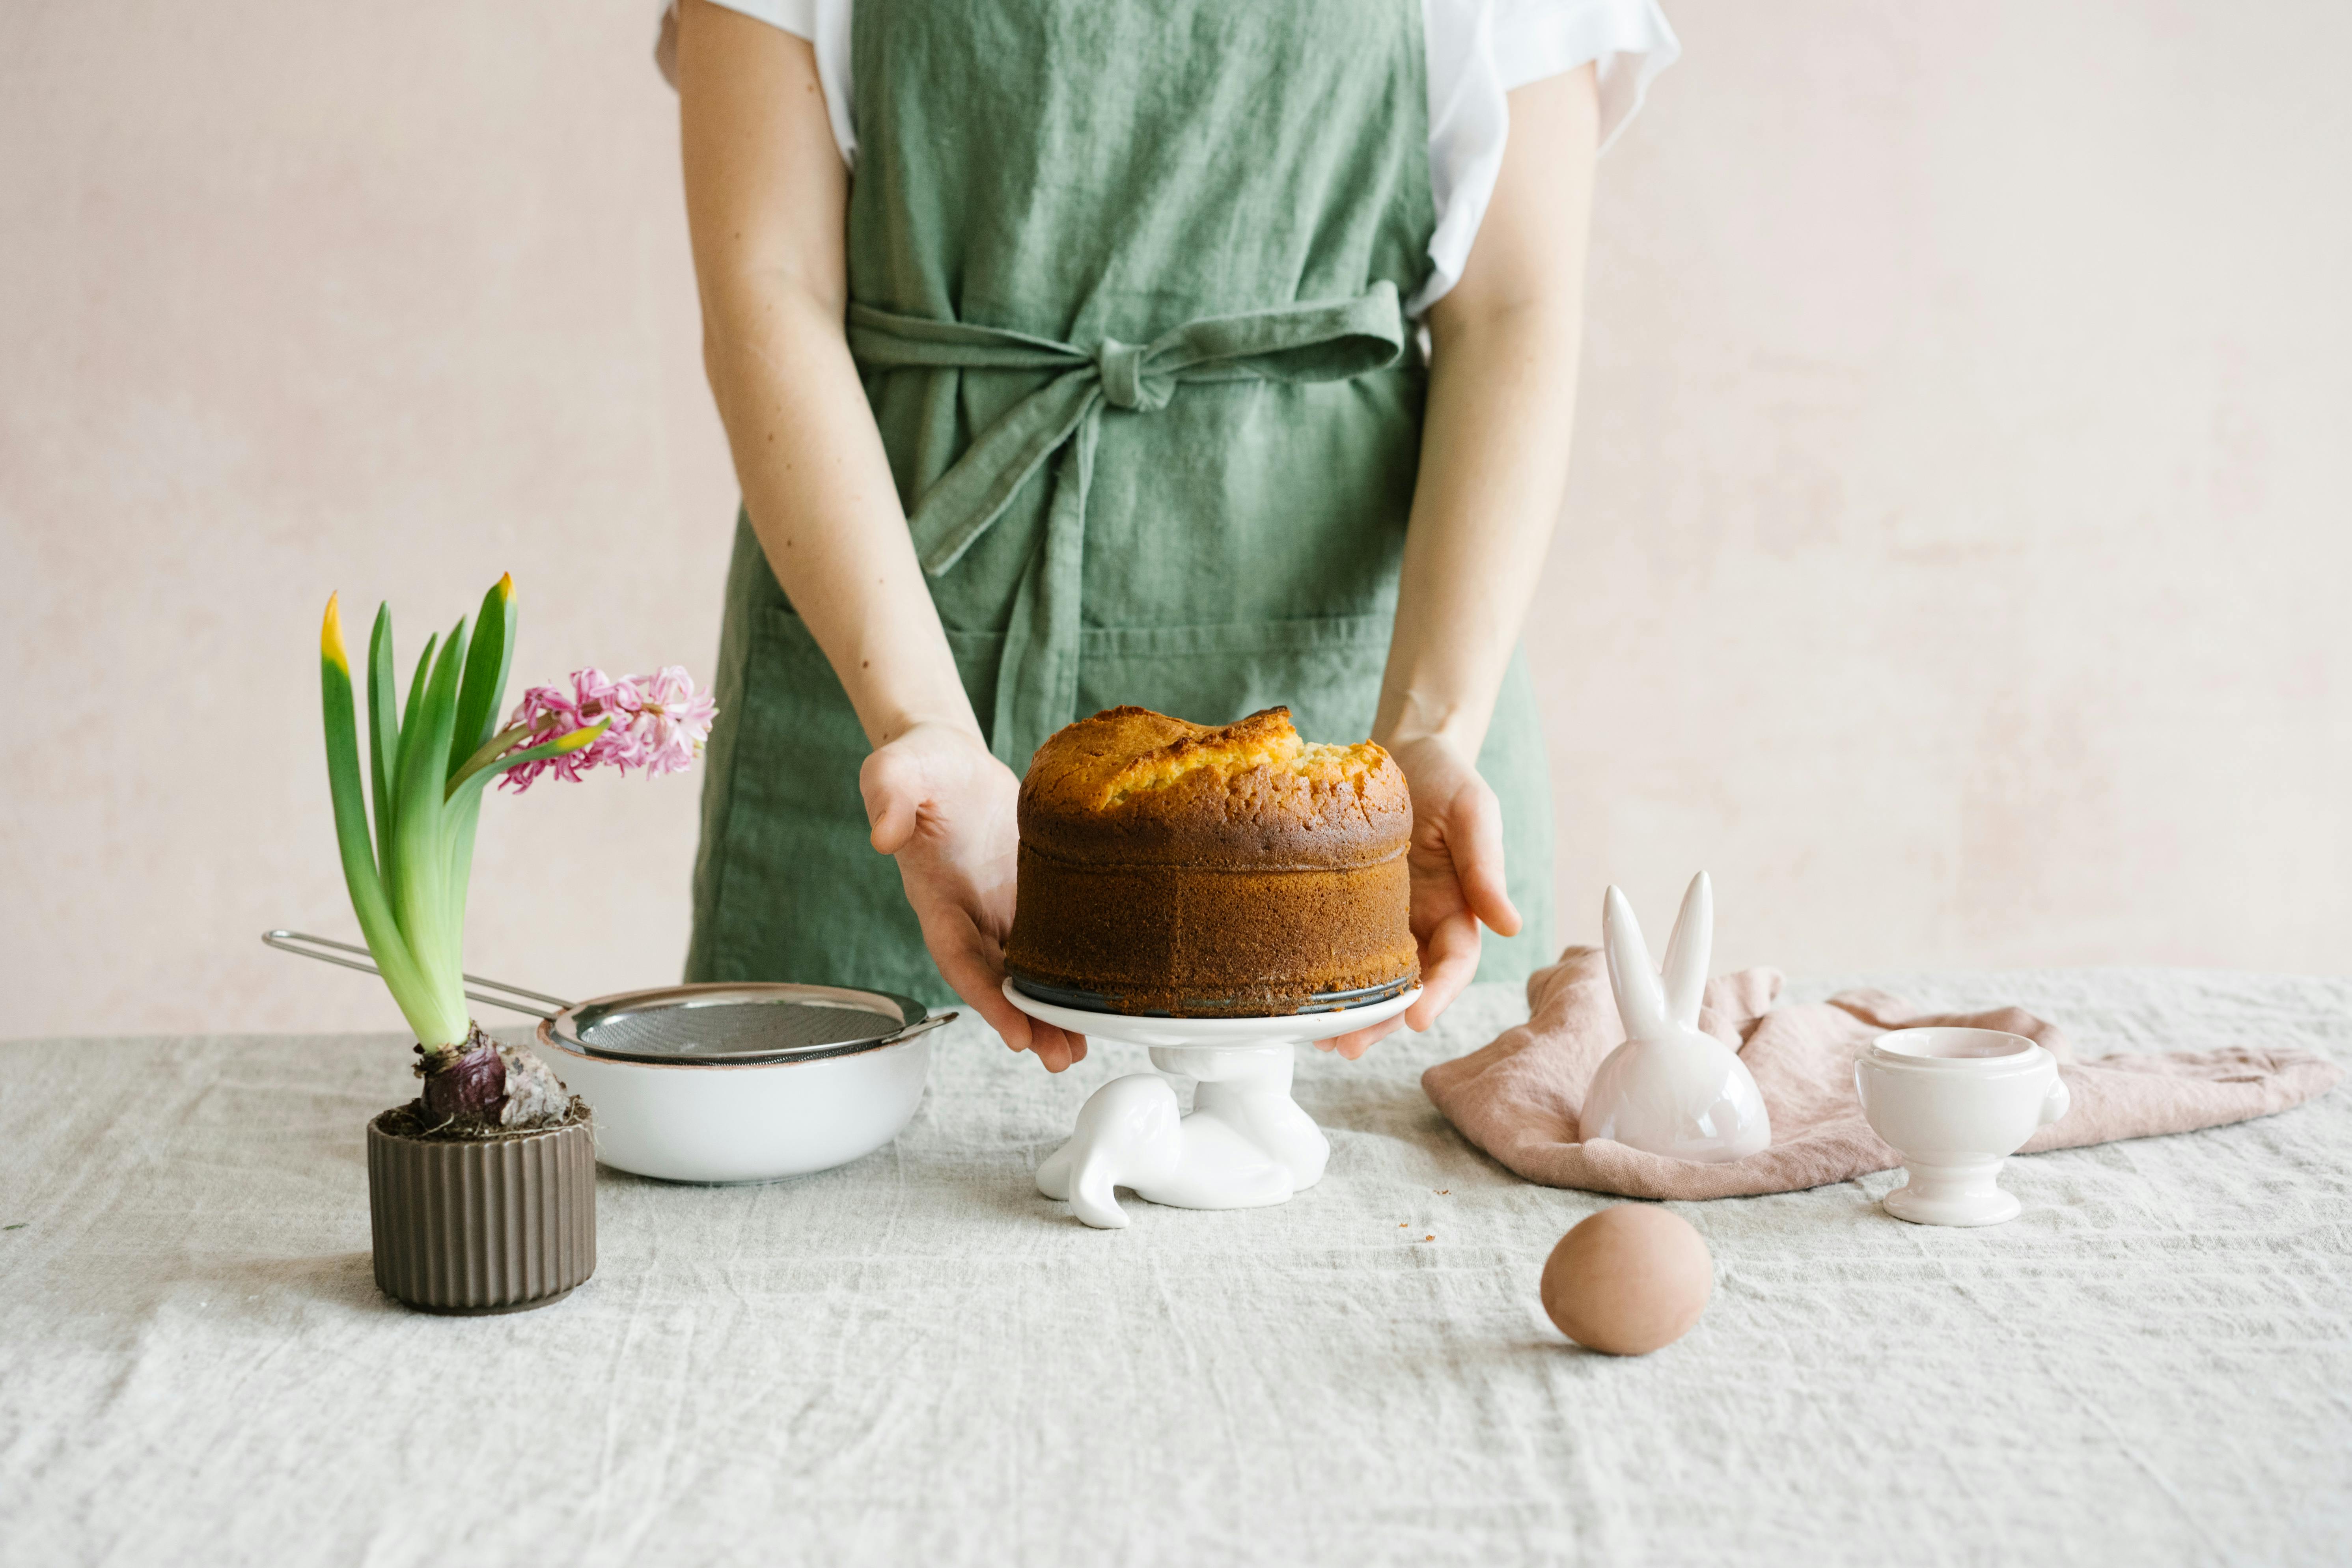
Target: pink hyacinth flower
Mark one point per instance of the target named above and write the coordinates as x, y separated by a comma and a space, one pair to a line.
657, 722
673, 719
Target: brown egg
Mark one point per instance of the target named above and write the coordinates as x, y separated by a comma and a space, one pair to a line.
1627, 1280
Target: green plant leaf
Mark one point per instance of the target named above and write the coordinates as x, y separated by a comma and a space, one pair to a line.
408, 716
417, 874
485, 754
474, 778
378, 924
383, 729
464, 807
416, 682
480, 697
458, 870
484, 687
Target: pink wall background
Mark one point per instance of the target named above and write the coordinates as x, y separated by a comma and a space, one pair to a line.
1955, 562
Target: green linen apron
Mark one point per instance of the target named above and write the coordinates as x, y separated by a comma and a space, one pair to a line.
1124, 283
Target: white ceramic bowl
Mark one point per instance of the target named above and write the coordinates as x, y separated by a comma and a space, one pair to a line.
1956, 1103
708, 1121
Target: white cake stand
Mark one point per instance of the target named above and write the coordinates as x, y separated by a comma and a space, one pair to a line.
1245, 1143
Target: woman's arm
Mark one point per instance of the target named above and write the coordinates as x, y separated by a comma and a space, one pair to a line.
766, 199
1493, 469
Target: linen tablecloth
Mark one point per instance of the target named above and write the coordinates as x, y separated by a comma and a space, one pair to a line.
915, 1359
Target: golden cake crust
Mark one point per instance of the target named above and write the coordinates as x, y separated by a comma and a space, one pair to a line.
1144, 788
1168, 866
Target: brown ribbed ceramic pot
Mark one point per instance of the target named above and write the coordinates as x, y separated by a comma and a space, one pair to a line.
489, 1225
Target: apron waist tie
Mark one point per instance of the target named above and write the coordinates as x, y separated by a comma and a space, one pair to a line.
1037, 674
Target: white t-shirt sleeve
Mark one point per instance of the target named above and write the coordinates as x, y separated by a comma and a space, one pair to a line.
823, 22
1477, 51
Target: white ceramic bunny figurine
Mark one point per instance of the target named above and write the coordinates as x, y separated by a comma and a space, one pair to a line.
1670, 1088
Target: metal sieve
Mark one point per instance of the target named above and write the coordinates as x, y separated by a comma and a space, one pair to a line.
723, 1025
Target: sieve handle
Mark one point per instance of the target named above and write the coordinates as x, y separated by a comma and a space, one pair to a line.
302, 945
921, 1025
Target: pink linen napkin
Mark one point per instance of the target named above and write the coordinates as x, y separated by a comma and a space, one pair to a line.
1519, 1098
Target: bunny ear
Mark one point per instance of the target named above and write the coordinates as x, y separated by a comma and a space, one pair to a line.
1688, 950
1640, 1002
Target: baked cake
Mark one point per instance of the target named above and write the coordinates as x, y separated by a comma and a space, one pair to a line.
1169, 868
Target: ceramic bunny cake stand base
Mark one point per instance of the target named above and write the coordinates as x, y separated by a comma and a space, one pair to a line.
1245, 1143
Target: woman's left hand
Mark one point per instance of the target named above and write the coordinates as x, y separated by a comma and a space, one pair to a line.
1455, 861
1494, 471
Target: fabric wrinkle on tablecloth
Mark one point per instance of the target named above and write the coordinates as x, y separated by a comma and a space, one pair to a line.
915, 1359
1519, 1097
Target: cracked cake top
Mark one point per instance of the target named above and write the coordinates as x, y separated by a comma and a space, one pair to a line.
1132, 785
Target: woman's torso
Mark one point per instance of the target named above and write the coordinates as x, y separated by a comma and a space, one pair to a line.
1078, 171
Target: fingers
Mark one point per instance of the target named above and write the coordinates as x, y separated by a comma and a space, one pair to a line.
1056, 1049
1353, 1045
895, 826
971, 966
968, 962
980, 982
1476, 838
1448, 959
893, 807
1019, 1031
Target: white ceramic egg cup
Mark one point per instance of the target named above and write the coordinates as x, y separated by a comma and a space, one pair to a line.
1955, 1104
1245, 1144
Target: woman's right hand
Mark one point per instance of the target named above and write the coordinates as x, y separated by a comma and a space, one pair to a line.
942, 807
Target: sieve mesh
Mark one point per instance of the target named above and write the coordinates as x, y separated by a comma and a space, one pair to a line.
720, 1030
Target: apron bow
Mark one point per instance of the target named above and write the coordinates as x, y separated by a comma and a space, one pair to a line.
1124, 382
1037, 673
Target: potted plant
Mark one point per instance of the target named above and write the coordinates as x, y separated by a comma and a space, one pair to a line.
482, 1190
